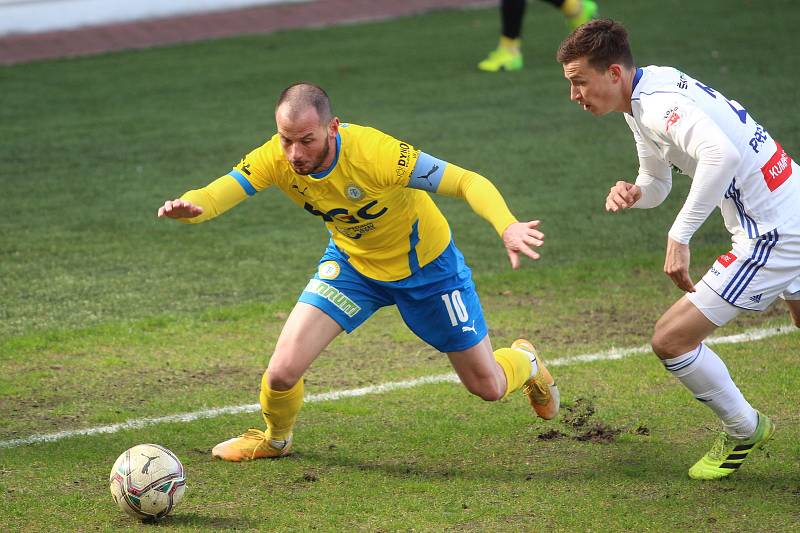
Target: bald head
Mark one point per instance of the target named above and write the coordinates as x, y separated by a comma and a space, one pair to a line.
306, 127
299, 98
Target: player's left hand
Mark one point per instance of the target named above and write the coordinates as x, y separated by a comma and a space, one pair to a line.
676, 265
519, 238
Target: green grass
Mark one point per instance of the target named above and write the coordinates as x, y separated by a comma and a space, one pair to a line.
435, 458
108, 314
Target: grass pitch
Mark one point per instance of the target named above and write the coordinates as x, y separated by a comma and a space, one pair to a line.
108, 314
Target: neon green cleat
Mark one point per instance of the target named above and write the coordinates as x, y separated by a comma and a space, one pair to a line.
728, 453
588, 12
501, 59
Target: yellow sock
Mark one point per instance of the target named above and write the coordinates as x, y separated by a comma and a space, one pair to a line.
280, 408
512, 45
516, 366
571, 8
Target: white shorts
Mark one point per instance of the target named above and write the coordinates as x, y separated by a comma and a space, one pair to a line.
752, 275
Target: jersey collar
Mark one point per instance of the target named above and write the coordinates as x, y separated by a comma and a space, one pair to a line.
320, 175
636, 78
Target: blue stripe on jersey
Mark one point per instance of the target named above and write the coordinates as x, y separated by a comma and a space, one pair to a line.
763, 262
413, 260
637, 77
748, 223
246, 185
427, 173
750, 267
686, 362
320, 175
744, 269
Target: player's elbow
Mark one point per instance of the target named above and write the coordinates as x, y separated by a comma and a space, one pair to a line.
720, 153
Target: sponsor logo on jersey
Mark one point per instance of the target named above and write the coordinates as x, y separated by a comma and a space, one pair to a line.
759, 138
329, 270
672, 118
353, 191
355, 232
726, 259
341, 214
778, 169
405, 151
333, 295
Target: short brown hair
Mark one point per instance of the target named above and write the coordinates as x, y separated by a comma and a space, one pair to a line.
302, 95
603, 42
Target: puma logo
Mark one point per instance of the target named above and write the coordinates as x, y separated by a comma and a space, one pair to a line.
427, 176
147, 464
471, 328
303, 192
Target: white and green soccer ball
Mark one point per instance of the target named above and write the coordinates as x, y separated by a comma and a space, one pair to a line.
147, 482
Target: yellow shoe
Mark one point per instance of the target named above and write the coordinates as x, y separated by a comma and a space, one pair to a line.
501, 59
541, 389
254, 444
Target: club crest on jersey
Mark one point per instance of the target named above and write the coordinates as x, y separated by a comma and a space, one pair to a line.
726, 259
353, 191
329, 270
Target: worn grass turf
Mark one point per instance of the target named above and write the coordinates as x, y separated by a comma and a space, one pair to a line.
434, 458
108, 314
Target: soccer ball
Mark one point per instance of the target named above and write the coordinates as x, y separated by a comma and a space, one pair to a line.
147, 481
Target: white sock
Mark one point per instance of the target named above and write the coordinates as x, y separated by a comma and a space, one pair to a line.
703, 372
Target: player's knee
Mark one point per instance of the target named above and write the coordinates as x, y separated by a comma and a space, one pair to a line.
282, 378
666, 344
489, 392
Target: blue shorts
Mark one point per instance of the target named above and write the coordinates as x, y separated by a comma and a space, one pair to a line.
438, 302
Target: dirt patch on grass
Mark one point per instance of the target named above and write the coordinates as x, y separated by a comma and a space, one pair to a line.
552, 434
579, 419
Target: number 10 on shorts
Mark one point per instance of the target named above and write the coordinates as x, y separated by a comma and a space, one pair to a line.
456, 309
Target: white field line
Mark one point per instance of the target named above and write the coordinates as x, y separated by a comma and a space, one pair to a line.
612, 354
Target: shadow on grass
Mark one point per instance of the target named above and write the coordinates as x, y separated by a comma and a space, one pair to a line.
205, 522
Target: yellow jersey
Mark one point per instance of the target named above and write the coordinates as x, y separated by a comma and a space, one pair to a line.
388, 229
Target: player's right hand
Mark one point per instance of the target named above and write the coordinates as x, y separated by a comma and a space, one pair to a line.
179, 209
622, 196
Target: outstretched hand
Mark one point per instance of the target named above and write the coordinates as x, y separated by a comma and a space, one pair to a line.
622, 196
179, 209
519, 238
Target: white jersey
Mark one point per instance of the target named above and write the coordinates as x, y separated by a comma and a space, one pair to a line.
735, 164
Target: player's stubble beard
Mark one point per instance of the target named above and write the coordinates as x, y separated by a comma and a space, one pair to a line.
316, 166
